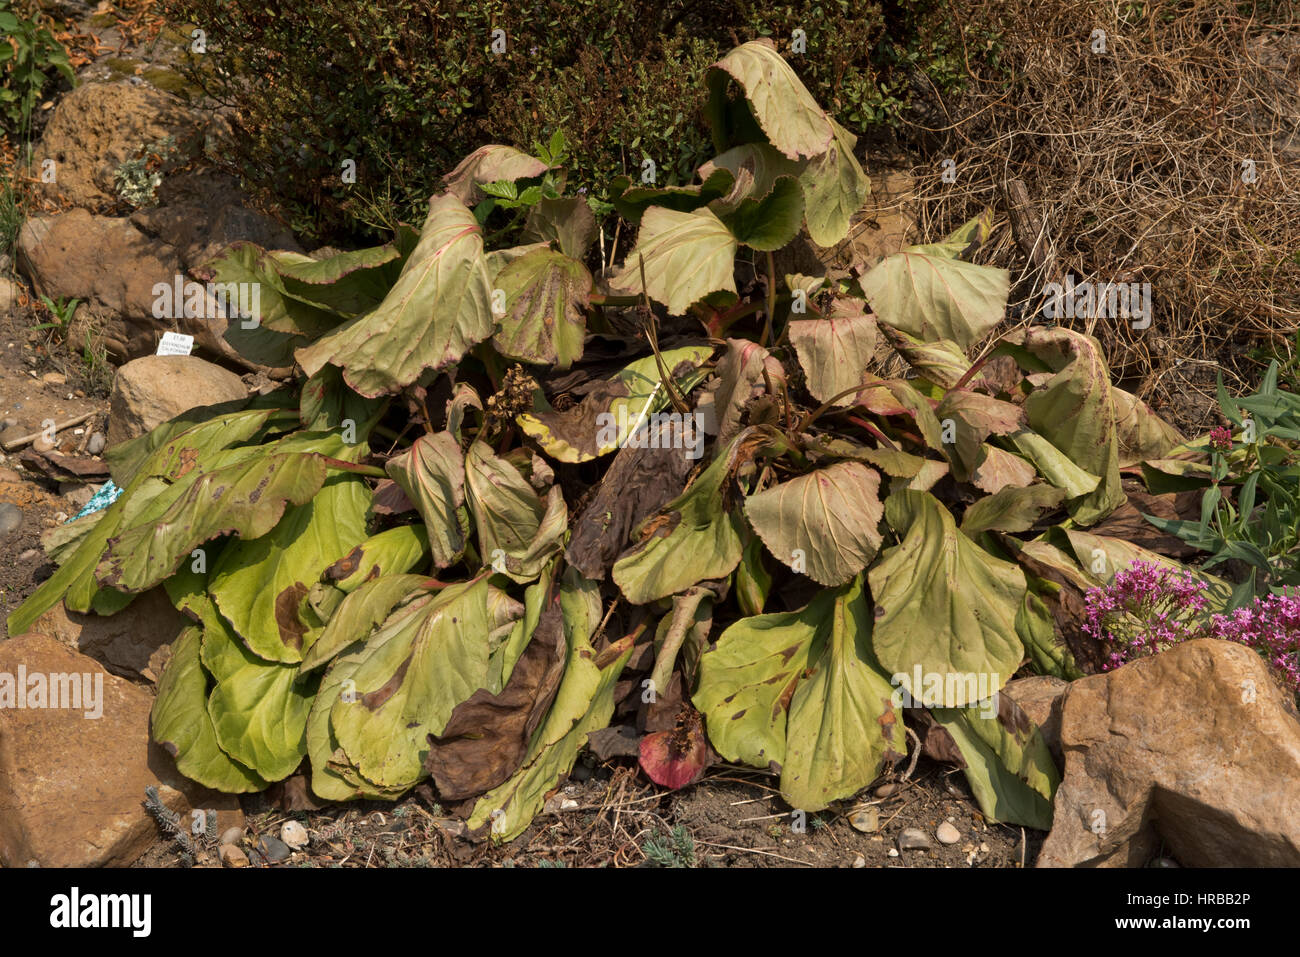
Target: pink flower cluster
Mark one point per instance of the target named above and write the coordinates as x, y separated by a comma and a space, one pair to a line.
1147, 608
1271, 625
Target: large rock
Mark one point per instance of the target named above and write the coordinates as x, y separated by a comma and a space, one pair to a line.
98, 126
201, 213
72, 786
110, 265
1195, 747
134, 641
149, 391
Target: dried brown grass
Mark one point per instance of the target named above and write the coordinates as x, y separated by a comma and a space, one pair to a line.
1134, 159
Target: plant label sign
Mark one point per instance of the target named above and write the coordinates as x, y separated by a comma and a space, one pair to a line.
175, 344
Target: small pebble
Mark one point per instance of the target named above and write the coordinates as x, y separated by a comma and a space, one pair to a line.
232, 856
294, 835
11, 516
232, 835
947, 834
96, 443
1164, 862
54, 378
865, 819
885, 790
43, 444
30, 555
913, 839
893, 852
859, 861
274, 848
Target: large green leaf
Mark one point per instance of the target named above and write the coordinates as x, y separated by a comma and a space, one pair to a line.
432, 474
1053, 464
616, 408
766, 220
687, 256
283, 322
583, 703
258, 708
141, 462
518, 532
439, 308
203, 429
1010, 509
834, 188
824, 523
782, 105
1075, 411
835, 351
633, 199
943, 604
1142, 434
246, 498
390, 552
693, 538
331, 778
1008, 765
973, 416
490, 164
259, 584
546, 294
802, 693
179, 721
939, 361
360, 612
932, 297
418, 667
566, 221
327, 404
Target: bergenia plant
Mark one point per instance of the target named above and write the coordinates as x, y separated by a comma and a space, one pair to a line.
469, 532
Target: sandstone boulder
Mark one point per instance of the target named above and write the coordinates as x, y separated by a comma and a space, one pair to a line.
72, 784
98, 126
135, 641
111, 266
150, 390
202, 212
1195, 747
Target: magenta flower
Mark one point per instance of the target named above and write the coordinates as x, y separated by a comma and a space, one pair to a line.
1147, 608
1221, 439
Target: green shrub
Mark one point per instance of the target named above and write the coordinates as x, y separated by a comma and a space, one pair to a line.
406, 89
29, 55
